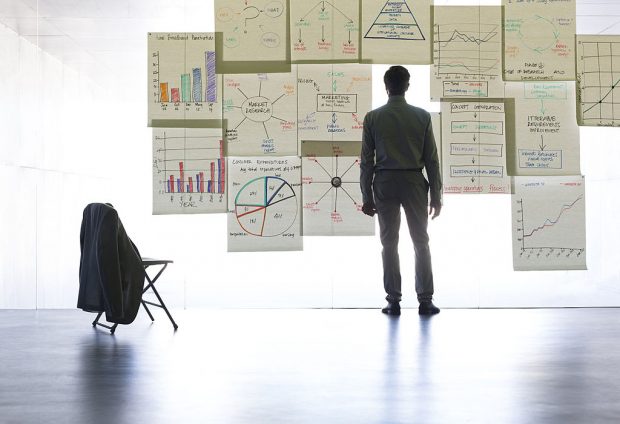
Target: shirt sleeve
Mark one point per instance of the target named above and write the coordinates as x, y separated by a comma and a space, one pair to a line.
367, 163
431, 163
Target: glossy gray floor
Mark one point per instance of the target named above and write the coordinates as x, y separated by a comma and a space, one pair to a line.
313, 366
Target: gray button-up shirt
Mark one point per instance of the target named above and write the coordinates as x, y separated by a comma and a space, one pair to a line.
401, 137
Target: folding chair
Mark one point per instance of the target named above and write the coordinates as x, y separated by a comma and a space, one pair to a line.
146, 262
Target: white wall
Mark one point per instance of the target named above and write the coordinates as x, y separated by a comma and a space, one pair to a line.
66, 141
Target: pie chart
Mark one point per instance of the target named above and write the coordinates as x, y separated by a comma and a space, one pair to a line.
266, 206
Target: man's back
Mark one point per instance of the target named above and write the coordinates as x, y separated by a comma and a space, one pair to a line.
399, 136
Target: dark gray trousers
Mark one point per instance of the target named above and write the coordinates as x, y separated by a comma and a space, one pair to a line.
409, 189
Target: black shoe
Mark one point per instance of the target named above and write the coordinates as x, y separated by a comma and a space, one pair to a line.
427, 308
392, 308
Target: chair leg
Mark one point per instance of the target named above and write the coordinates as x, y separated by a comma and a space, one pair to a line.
148, 311
151, 285
97, 323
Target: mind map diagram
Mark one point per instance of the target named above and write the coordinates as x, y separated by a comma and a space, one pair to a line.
261, 114
252, 30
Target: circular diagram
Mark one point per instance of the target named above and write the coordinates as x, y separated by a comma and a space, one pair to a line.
538, 34
266, 206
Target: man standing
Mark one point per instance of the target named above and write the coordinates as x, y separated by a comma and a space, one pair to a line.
401, 137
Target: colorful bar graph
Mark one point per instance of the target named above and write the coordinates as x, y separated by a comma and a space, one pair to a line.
207, 173
197, 85
186, 95
163, 92
211, 89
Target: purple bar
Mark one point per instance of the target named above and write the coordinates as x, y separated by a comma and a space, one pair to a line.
211, 89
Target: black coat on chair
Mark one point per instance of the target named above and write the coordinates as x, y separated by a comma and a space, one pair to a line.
111, 271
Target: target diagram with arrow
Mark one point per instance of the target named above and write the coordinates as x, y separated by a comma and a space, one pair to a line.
336, 99
261, 111
331, 190
474, 140
325, 31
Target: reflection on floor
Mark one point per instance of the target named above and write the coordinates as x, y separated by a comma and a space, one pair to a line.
313, 366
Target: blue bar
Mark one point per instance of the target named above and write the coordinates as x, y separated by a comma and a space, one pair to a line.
179, 185
197, 84
209, 186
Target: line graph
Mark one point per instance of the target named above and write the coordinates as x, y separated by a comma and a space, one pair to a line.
458, 35
598, 77
549, 223
467, 52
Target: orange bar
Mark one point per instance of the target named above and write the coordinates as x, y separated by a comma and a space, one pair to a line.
163, 92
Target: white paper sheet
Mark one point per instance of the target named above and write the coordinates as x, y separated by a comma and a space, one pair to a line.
396, 31
189, 171
332, 199
548, 223
598, 77
539, 40
546, 136
183, 85
264, 202
323, 31
467, 52
333, 100
261, 114
474, 147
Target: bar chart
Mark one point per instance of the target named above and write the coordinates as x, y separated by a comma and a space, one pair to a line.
188, 87
189, 171
183, 84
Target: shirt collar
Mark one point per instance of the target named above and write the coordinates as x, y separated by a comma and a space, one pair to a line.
397, 99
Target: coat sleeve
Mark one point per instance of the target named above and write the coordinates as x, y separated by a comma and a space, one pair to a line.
367, 162
431, 163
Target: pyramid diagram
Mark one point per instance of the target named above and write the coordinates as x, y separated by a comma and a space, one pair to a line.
395, 21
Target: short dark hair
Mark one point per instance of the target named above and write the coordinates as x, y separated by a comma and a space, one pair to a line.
396, 80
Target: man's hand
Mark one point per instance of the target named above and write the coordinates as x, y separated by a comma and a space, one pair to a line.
369, 209
434, 209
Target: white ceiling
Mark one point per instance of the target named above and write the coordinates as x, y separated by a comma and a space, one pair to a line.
107, 38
